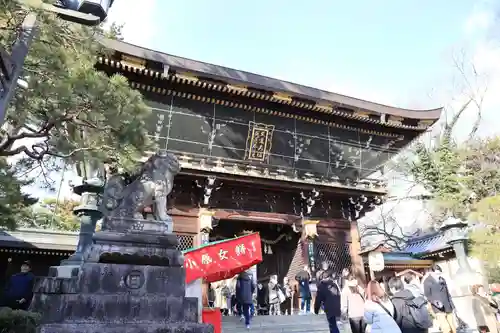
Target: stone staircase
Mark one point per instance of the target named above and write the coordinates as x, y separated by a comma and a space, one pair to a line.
280, 324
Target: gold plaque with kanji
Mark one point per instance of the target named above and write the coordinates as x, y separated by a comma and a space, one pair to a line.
259, 141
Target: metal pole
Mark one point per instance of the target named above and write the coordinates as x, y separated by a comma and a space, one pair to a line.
17, 58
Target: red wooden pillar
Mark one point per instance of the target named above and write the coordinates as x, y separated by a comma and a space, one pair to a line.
357, 268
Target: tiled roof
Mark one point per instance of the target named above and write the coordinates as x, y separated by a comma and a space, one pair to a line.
401, 259
427, 244
238, 77
39, 238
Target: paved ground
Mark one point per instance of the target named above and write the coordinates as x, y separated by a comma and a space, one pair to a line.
281, 324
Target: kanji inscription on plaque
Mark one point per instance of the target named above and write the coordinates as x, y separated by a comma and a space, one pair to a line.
259, 141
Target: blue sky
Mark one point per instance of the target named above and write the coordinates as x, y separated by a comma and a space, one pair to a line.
390, 50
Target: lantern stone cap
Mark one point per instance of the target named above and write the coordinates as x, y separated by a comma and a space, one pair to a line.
453, 222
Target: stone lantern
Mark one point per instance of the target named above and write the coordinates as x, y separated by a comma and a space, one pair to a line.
456, 233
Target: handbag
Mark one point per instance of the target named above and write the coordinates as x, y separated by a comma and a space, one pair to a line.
281, 296
389, 312
385, 309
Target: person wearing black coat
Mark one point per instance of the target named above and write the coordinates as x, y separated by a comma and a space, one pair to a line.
245, 288
19, 289
262, 300
437, 293
211, 296
304, 279
328, 296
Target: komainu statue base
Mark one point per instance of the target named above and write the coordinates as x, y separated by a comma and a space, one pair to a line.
130, 282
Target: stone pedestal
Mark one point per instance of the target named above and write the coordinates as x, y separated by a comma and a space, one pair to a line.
131, 281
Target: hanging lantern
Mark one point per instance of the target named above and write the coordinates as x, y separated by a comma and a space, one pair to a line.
309, 228
205, 219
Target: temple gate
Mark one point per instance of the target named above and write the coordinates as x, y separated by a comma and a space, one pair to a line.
260, 154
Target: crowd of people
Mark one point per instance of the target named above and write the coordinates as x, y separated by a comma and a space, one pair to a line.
405, 305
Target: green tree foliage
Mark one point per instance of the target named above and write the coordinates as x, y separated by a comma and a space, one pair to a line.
439, 168
70, 110
436, 169
464, 180
53, 214
12, 321
458, 175
14, 205
485, 238
481, 167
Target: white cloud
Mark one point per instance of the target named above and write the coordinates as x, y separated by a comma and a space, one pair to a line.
137, 18
482, 56
479, 21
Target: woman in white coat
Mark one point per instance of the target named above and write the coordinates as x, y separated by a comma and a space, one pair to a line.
379, 311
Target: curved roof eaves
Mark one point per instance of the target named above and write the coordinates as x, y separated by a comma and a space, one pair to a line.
235, 76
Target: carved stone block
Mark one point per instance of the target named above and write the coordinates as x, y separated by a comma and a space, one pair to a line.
55, 285
132, 280
132, 225
129, 328
135, 248
113, 309
102, 279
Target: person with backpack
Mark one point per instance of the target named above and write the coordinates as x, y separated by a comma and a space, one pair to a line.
410, 312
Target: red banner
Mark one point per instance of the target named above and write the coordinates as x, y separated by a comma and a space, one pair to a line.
222, 260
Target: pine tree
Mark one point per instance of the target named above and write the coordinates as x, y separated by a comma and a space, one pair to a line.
69, 110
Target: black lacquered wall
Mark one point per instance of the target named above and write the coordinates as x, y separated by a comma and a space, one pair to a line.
233, 134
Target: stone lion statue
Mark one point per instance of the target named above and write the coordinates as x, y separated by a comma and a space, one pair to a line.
125, 196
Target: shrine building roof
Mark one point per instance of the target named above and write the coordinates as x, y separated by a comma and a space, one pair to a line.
428, 245
52, 242
160, 65
401, 260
